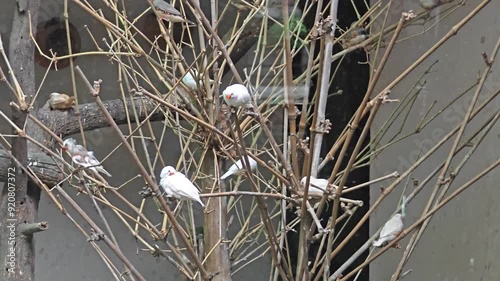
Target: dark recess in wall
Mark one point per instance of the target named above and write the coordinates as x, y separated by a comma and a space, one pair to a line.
352, 77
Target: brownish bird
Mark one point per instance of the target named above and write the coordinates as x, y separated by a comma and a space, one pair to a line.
61, 101
354, 36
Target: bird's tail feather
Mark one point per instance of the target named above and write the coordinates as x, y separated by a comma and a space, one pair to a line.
378, 243
101, 169
227, 174
199, 201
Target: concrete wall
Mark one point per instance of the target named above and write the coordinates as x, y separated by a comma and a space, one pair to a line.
460, 243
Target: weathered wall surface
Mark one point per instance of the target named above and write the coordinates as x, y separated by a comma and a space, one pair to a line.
461, 242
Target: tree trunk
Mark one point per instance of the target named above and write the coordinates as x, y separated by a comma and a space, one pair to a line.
19, 258
215, 229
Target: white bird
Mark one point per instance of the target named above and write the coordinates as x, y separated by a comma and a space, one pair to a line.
177, 185
190, 81
237, 167
237, 95
168, 12
316, 186
390, 231
83, 157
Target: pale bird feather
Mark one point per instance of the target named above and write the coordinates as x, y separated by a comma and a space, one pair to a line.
237, 167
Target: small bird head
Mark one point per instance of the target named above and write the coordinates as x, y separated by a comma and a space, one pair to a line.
167, 171
68, 144
228, 95
303, 181
53, 95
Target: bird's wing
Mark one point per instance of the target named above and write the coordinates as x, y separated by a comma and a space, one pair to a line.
79, 149
253, 163
166, 7
231, 171
164, 183
96, 164
244, 98
91, 159
79, 155
320, 184
183, 186
237, 166
77, 159
61, 98
391, 227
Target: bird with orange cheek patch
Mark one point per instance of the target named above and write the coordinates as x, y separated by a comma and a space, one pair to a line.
176, 184
61, 101
237, 95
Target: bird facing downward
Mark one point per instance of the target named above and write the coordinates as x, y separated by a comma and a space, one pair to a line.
392, 228
168, 12
82, 157
176, 184
60, 101
237, 95
237, 167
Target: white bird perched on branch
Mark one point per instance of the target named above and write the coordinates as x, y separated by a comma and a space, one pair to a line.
237, 95
168, 12
83, 157
191, 79
392, 228
177, 185
237, 168
316, 186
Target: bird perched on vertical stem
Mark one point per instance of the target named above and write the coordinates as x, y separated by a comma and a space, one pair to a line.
61, 101
168, 12
237, 95
392, 228
177, 185
192, 79
83, 157
237, 168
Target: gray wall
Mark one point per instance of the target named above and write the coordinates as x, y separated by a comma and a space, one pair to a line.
461, 242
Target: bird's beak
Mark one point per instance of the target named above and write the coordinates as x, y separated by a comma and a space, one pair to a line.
64, 148
228, 96
171, 173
